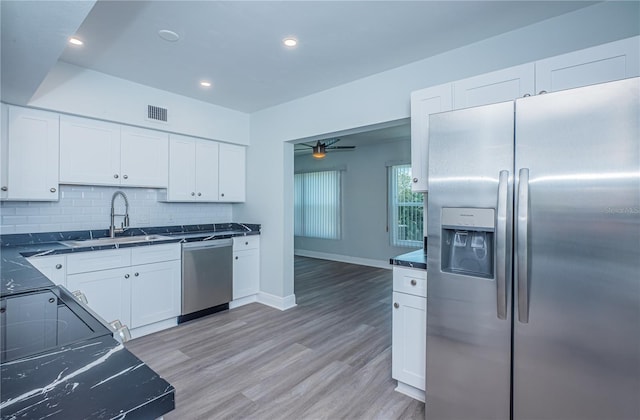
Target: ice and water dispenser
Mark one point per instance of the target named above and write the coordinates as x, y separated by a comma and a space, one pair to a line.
468, 241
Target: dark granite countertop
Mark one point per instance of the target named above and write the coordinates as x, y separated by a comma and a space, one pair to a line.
97, 378
414, 259
18, 275
93, 378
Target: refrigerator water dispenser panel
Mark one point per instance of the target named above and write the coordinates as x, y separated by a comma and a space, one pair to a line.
467, 241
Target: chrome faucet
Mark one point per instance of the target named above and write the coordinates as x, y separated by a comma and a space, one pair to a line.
125, 224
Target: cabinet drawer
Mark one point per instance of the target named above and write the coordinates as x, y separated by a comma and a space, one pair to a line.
240, 243
410, 280
155, 253
83, 262
52, 266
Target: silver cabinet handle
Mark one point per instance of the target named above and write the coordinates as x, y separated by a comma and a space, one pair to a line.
199, 194
126, 276
136, 274
501, 244
58, 266
52, 189
236, 257
522, 269
396, 305
4, 188
125, 176
116, 176
192, 194
526, 95
222, 195
542, 92
246, 243
413, 282
415, 179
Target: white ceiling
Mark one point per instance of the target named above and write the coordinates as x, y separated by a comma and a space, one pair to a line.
237, 44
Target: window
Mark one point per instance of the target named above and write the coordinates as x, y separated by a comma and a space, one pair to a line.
317, 204
406, 209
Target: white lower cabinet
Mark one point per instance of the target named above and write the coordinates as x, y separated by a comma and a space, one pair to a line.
409, 331
107, 292
155, 293
139, 286
246, 266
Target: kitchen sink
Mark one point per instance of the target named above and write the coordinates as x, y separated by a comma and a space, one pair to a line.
113, 241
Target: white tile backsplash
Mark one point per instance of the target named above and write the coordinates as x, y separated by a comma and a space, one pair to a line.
86, 207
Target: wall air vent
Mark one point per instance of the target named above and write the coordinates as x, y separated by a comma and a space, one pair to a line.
156, 113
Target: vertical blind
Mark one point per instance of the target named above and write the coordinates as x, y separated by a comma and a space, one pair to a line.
406, 209
317, 204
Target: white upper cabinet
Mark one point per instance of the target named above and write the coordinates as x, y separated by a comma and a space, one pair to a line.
232, 173
144, 157
207, 170
89, 152
29, 155
498, 86
193, 169
100, 153
603, 63
424, 103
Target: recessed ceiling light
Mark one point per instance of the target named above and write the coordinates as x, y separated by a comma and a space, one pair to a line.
168, 35
290, 42
75, 41
204, 83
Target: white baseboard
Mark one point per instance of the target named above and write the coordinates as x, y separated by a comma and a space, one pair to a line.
411, 391
282, 303
155, 327
344, 258
243, 301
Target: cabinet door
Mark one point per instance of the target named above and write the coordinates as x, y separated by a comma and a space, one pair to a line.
54, 267
108, 292
31, 155
144, 158
155, 292
206, 170
182, 173
408, 353
232, 173
246, 273
89, 152
424, 103
604, 63
498, 86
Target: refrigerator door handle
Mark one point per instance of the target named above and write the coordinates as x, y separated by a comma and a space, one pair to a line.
522, 231
501, 245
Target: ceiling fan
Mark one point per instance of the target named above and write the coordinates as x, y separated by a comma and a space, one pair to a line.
320, 149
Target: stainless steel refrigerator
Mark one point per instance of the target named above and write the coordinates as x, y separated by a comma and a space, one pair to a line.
533, 308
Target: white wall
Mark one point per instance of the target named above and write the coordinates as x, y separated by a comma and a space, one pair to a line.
385, 97
364, 236
85, 207
75, 90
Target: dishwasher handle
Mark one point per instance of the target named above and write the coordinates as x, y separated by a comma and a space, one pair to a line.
214, 243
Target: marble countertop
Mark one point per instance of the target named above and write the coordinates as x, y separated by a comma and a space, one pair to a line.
97, 378
414, 259
92, 378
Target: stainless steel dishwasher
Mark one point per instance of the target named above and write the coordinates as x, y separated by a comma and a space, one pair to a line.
207, 277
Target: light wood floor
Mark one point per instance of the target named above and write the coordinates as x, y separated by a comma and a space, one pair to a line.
327, 358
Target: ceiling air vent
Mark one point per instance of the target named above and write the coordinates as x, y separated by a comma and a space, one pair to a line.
156, 113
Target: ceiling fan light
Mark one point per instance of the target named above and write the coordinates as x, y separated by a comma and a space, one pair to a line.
318, 151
